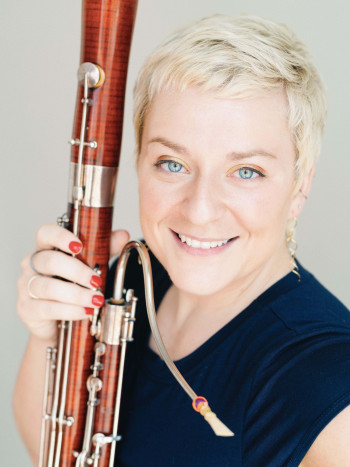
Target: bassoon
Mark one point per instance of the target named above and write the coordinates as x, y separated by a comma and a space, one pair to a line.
84, 373
73, 413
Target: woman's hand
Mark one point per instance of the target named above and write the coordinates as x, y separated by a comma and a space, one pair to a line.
47, 299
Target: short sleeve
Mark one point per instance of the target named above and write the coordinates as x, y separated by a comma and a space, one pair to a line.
297, 391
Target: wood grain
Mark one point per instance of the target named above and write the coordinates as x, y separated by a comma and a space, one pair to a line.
106, 37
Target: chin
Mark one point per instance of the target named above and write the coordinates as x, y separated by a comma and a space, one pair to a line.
200, 281
196, 274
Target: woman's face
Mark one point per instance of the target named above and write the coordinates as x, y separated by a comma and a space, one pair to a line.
216, 180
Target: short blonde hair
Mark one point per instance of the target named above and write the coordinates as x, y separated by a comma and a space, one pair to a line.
237, 57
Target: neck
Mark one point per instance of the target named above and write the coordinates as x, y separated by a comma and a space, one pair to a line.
237, 296
186, 320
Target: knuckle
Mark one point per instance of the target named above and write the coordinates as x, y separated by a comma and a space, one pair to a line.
63, 236
55, 264
82, 272
40, 234
76, 270
43, 311
85, 297
79, 295
25, 263
46, 287
51, 262
58, 234
24, 309
21, 302
20, 282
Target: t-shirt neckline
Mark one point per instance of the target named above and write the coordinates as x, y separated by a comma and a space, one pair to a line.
152, 362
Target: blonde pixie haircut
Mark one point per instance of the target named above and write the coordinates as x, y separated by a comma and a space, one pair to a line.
239, 57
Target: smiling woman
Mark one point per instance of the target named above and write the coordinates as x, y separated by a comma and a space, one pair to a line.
237, 189
229, 114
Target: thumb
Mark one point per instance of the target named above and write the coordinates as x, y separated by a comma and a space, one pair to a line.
118, 239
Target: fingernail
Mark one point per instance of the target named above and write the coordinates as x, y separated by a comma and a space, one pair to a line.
75, 247
89, 311
98, 300
96, 281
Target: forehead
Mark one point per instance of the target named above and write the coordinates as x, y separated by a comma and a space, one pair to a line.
202, 121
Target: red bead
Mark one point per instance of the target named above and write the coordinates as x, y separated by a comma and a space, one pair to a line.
199, 402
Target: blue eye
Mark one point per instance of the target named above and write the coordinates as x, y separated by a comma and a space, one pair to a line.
245, 172
174, 166
170, 166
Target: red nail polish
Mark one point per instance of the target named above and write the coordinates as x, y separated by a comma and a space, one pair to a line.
89, 311
98, 300
75, 247
96, 281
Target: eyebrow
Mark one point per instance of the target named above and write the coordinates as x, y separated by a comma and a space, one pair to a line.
169, 144
234, 155
244, 155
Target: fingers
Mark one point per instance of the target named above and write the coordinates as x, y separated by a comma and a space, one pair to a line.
56, 263
47, 261
48, 288
43, 299
50, 299
118, 239
51, 236
41, 316
56, 300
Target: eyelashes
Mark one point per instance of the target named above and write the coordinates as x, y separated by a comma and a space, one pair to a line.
172, 166
247, 173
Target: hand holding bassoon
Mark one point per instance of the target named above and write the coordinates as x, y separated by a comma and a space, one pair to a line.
41, 315
64, 287
96, 140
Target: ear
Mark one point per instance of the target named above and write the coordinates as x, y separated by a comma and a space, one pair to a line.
301, 195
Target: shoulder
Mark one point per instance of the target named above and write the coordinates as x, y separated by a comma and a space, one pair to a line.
311, 306
309, 341
301, 378
296, 322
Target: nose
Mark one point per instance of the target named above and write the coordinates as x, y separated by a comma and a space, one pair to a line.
203, 201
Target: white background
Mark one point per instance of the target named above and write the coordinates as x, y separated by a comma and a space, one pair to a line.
39, 46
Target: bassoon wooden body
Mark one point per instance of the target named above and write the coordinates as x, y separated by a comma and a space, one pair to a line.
107, 27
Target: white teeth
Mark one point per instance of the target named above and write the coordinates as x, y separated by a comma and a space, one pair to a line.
195, 243
203, 245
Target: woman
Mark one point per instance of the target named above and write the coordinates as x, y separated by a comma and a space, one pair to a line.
229, 114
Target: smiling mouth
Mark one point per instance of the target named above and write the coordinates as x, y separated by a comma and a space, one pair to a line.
203, 245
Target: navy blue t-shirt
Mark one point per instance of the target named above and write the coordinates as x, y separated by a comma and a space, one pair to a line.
276, 375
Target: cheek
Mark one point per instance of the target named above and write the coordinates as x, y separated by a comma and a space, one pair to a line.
150, 198
147, 203
157, 198
263, 210
155, 205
